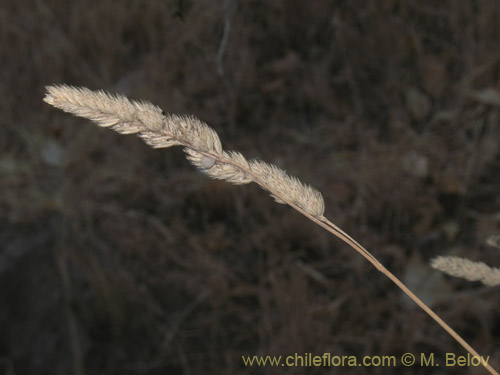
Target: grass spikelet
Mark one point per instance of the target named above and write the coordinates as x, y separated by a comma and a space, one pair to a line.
201, 143
467, 269
304, 196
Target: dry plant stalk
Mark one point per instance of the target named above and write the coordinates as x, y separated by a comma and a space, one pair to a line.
203, 148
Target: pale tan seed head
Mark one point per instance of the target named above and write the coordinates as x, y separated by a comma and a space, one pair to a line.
201, 143
467, 269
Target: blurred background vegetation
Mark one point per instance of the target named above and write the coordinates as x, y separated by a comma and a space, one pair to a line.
119, 259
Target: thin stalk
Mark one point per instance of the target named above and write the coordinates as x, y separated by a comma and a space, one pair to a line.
336, 231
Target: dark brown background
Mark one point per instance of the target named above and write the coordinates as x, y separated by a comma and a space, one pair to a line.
119, 259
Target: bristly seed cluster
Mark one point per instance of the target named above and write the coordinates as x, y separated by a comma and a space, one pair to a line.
201, 143
467, 269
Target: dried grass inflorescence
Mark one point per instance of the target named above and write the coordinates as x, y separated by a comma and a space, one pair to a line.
201, 143
203, 148
467, 269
